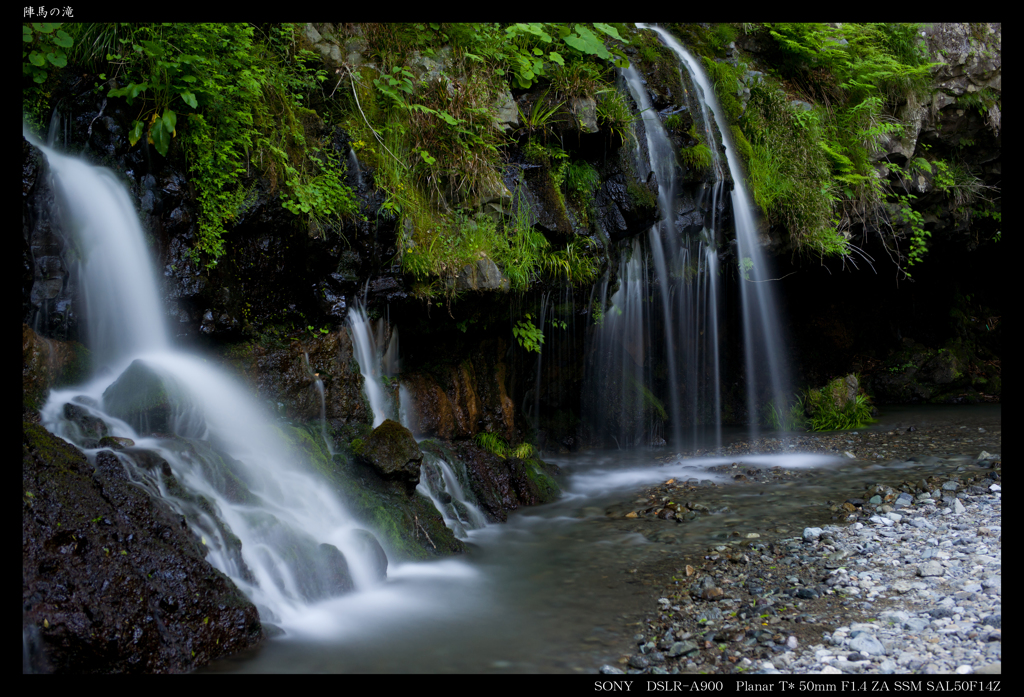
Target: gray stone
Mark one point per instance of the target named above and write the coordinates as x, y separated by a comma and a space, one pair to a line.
867, 644
812, 534
682, 648
931, 568
585, 111
483, 275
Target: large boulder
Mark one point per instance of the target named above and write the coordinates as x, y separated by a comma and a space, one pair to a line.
113, 580
143, 398
502, 484
392, 451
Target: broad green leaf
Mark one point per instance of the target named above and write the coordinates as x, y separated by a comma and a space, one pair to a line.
161, 137
26, 33
170, 120
609, 30
556, 58
136, 133
58, 59
37, 59
63, 39
189, 99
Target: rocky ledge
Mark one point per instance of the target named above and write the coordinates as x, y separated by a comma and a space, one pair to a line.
113, 580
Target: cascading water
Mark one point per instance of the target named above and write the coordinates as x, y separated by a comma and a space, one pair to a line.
440, 483
766, 371
663, 342
368, 342
657, 357
199, 442
319, 384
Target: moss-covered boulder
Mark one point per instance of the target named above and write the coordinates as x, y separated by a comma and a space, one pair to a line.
392, 451
114, 581
404, 524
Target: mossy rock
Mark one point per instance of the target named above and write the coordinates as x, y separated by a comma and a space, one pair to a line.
393, 451
406, 524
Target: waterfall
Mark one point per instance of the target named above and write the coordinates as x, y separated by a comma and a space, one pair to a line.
319, 384
368, 343
762, 341
200, 443
440, 483
656, 360
656, 352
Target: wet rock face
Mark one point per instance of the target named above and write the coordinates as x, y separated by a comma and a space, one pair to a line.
463, 399
49, 295
282, 377
503, 484
47, 363
112, 580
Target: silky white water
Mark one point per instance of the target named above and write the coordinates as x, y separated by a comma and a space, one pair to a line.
265, 518
767, 374
367, 343
655, 375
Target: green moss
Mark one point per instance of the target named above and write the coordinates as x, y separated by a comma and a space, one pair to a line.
640, 195
544, 485
698, 157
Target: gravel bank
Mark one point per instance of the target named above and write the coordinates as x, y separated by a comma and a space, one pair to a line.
903, 577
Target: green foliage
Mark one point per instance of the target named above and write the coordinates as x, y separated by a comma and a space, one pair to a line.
614, 114
781, 419
827, 411
435, 144
43, 48
529, 335
492, 443
523, 451
790, 173
698, 157
43, 45
581, 180
812, 171
235, 100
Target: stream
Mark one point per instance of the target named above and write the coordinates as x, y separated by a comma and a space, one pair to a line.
560, 587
